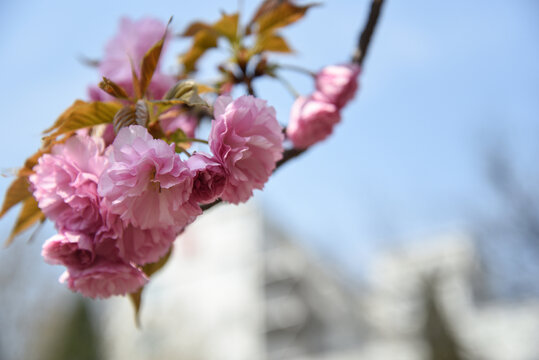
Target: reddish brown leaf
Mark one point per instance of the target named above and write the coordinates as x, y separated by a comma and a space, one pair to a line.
28, 216
272, 42
17, 192
111, 88
149, 269
124, 117
227, 26
195, 27
82, 115
282, 15
202, 41
149, 64
136, 299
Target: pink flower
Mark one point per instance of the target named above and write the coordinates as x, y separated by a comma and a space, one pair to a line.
104, 279
311, 121
65, 183
146, 183
209, 179
133, 40
337, 84
145, 246
172, 121
69, 249
247, 140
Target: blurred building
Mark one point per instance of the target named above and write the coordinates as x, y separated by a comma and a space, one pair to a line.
236, 288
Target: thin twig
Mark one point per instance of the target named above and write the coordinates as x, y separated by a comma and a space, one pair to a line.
366, 34
361, 52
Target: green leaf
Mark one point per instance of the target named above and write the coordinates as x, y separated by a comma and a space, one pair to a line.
18, 191
81, 115
28, 216
111, 88
284, 14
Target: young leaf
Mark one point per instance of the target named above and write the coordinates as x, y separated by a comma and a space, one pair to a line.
203, 40
136, 81
17, 192
124, 117
187, 92
227, 26
149, 270
142, 114
282, 15
63, 116
272, 42
111, 88
149, 64
136, 299
265, 7
29, 215
82, 115
195, 27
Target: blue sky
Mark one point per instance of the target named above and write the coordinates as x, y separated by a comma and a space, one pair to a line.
441, 80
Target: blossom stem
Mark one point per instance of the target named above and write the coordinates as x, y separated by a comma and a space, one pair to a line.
287, 85
296, 68
196, 140
359, 56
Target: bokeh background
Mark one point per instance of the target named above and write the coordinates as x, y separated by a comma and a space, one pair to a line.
433, 171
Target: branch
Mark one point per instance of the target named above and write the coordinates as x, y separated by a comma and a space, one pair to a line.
366, 34
359, 56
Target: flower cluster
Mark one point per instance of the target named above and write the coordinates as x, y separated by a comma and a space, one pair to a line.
119, 208
118, 175
312, 118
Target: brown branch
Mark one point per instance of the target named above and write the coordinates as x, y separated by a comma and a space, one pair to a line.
366, 34
363, 46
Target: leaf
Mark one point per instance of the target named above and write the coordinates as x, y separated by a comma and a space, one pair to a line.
203, 89
17, 192
282, 15
124, 117
202, 41
187, 92
136, 81
272, 42
149, 64
111, 88
265, 7
227, 26
28, 216
63, 116
82, 115
195, 27
136, 299
149, 270
142, 114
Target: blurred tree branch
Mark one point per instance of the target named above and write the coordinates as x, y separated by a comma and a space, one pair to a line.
359, 56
